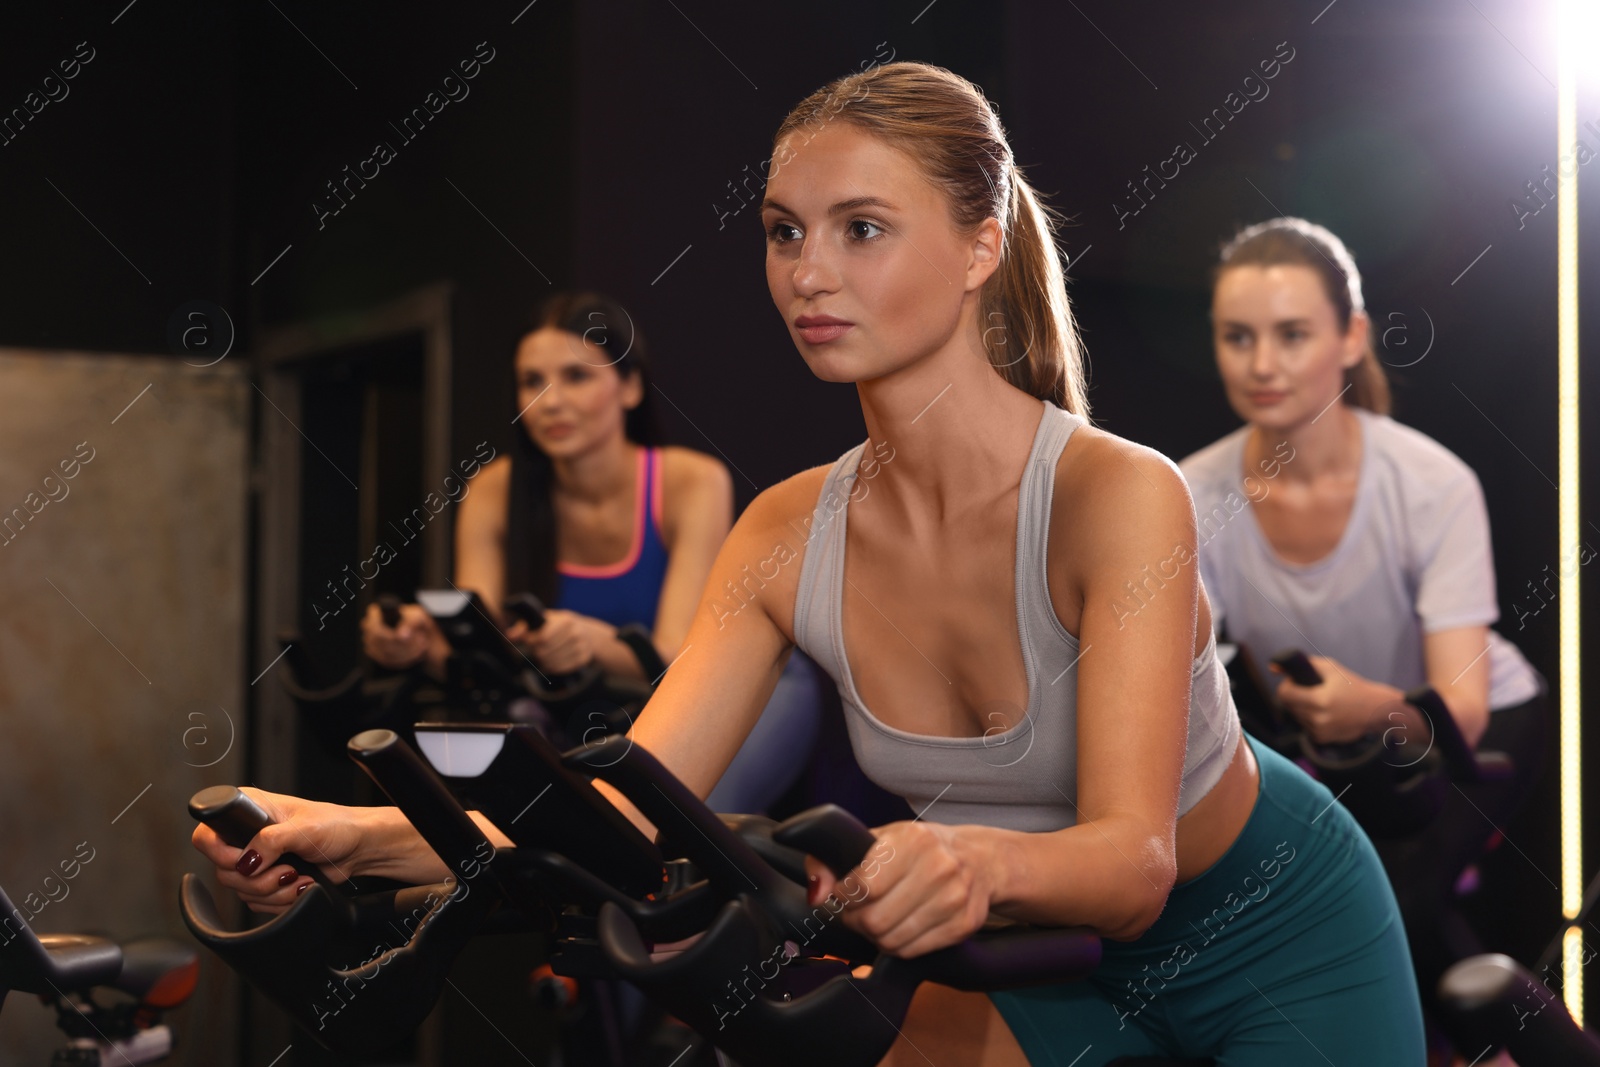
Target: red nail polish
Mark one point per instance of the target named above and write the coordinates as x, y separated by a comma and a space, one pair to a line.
813, 885
248, 863
302, 889
287, 877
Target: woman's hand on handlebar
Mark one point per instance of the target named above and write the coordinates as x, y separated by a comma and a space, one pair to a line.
1344, 707
566, 642
336, 838
924, 886
415, 640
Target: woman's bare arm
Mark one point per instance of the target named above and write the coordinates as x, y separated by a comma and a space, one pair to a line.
1114, 868
1458, 670
1347, 705
481, 534
697, 514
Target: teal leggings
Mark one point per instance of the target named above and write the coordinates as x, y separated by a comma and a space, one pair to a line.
1288, 950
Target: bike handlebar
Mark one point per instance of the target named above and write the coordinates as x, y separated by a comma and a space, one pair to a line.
738, 901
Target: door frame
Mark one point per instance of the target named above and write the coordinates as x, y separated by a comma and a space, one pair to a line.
281, 360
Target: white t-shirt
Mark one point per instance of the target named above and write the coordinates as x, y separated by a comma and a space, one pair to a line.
1414, 559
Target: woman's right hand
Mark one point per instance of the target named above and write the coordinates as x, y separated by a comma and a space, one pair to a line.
330, 835
416, 638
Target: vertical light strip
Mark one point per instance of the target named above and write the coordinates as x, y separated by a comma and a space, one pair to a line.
1569, 25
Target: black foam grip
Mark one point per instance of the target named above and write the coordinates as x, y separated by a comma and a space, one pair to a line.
526, 607
237, 819
1297, 665
829, 833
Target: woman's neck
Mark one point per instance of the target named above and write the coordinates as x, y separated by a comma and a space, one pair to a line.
959, 433
597, 475
1329, 444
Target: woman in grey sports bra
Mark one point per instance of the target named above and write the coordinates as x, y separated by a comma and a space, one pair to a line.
961, 574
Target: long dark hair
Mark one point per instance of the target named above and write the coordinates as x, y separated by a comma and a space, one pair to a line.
948, 125
1296, 242
530, 518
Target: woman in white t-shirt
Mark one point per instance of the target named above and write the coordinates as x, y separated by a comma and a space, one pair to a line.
1325, 525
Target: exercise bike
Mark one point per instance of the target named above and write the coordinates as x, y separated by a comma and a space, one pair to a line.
70, 972
1392, 788
769, 980
487, 679
1492, 998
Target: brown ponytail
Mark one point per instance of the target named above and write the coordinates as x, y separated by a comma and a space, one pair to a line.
1296, 242
1369, 385
944, 121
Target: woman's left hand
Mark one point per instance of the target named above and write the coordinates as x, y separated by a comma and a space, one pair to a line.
923, 886
1343, 707
566, 642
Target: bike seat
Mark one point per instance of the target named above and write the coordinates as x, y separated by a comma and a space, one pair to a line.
58, 963
159, 971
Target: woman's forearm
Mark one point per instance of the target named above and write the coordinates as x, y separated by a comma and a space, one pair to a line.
392, 848
1111, 875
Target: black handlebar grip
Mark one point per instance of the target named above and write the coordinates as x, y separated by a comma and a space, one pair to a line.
1297, 665
526, 607
389, 605
829, 833
237, 819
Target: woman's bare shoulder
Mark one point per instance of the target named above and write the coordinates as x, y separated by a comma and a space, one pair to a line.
489, 489
779, 514
793, 498
1117, 505
494, 474
1110, 490
1098, 466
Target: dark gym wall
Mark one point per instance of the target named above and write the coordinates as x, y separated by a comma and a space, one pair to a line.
677, 111
477, 191
119, 194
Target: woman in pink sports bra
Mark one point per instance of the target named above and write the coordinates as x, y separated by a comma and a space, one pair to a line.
606, 525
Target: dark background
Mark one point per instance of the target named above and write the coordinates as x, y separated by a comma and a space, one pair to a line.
598, 146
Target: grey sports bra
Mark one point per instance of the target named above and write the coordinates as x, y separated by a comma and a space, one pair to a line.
1025, 778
